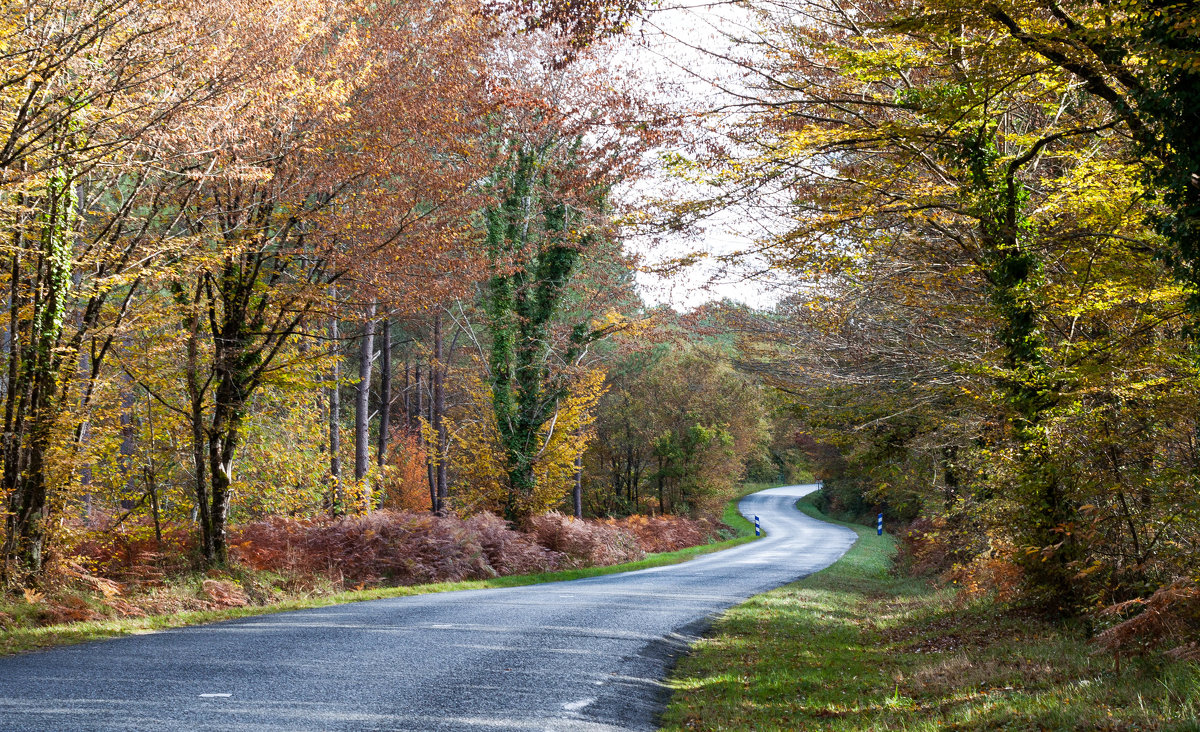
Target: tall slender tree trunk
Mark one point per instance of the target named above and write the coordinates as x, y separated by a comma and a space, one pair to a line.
385, 390
199, 447
431, 456
406, 398
662, 502
29, 429
577, 490
362, 407
335, 417
438, 371
418, 399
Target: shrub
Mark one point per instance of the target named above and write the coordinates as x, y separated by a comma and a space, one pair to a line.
665, 533
585, 543
391, 547
132, 552
1169, 618
511, 552
926, 548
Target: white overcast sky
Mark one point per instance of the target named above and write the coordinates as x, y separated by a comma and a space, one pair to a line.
665, 53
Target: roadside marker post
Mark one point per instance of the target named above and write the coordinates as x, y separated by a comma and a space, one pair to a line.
757, 527
879, 526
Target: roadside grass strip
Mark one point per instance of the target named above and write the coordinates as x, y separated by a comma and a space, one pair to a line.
21, 639
855, 648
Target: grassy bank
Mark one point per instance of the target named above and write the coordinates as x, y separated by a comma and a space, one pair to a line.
21, 634
853, 648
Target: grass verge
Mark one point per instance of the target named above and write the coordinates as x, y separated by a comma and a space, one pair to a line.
22, 639
853, 647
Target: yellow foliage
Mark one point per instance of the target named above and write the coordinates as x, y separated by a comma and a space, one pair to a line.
476, 458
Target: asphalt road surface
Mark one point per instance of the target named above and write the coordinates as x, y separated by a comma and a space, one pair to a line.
583, 655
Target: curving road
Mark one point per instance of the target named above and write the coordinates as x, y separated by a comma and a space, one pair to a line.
582, 655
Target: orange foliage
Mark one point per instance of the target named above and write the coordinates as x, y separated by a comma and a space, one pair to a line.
977, 566
391, 547
404, 483
132, 553
994, 573
1170, 617
665, 533
585, 543
224, 593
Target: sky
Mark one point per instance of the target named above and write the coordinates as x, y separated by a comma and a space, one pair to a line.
674, 53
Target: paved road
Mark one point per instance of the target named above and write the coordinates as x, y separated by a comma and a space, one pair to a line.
582, 655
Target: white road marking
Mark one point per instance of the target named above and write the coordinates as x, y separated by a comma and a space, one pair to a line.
575, 706
214, 696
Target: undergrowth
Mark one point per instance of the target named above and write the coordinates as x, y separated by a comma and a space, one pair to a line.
131, 585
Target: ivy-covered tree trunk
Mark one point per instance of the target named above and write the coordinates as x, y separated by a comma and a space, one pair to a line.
1015, 275
33, 401
533, 265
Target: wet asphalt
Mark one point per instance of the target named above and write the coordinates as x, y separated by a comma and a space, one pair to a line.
588, 654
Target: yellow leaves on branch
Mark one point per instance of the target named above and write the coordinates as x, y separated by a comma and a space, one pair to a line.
476, 456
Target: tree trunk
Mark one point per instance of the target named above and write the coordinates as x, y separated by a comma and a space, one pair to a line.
430, 457
1013, 277
662, 503
523, 483
438, 371
362, 407
199, 459
385, 391
335, 418
29, 427
418, 399
234, 385
406, 398
222, 444
577, 491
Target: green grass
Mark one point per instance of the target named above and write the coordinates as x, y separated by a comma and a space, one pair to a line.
21, 639
854, 647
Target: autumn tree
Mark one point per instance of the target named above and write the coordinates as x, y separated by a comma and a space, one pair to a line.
675, 431
556, 154
963, 215
95, 92
297, 193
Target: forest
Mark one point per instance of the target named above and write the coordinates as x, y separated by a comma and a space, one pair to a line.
298, 289
303, 297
